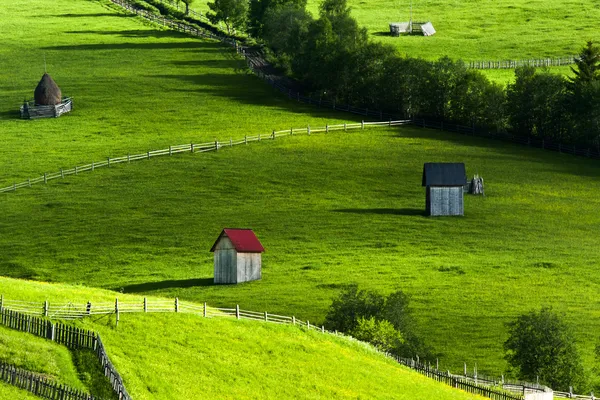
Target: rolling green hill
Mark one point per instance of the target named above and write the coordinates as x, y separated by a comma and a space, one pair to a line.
175, 356
331, 209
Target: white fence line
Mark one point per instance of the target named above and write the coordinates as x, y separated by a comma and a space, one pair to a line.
193, 148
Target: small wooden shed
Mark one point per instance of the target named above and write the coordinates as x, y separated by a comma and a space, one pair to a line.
444, 184
238, 256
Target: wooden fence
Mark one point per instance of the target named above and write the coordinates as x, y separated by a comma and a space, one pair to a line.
70, 336
194, 148
512, 64
473, 383
39, 384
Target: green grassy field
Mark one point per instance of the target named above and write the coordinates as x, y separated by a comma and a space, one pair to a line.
331, 209
176, 356
483, 30
135, 87
11, 392
39, 355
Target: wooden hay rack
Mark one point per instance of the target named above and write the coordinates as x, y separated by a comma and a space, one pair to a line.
30, 110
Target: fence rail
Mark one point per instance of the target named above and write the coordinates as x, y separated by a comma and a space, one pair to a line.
193, 148
512, 64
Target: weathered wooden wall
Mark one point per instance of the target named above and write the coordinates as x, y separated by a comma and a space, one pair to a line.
248, 267
442, 200
225, 262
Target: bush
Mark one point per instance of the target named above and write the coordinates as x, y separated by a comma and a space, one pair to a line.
380, 334
540, 344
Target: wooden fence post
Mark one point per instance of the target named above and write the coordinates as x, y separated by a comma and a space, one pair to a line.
170, 150
245, 139
92, 165
266, 316
88, 308
216, 145
308, 324
322, 329
148, 154
128, 157
108, 162
29, 180
45, 178
45, 308
62, 174
176, 304
308, 129
273, 135
145, 304
230, 142
326, 128
191, 147
204, 310
291, 131
117, 313
237, 311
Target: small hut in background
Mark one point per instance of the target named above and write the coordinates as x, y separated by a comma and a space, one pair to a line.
412, 28
238, 256
48, 101
444, 184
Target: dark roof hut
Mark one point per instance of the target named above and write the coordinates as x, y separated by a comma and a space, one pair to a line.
47, 92
444, 183
237, 256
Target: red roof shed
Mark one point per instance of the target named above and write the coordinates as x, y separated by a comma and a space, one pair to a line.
237, 256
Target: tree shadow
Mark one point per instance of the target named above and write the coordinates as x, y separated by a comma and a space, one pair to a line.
10, 114
197, 45
134, 33
383, 33
152, 286
384, 211
103, 15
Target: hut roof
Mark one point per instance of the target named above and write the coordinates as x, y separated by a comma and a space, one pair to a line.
244, 240
47, 92
444, 174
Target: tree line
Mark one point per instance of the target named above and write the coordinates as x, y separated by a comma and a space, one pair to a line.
334, 58
541, 345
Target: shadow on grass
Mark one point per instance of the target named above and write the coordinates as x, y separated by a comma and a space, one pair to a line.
11, 114
194, 45
383, 211
151, 286
384, 33
71, 15
135, 33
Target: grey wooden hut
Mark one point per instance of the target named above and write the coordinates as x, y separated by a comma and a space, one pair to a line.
238, 256
444, 184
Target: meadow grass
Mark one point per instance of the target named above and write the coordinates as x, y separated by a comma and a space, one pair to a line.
135, 86
39, 355
175, 356
8, 392
483, 30
331, 210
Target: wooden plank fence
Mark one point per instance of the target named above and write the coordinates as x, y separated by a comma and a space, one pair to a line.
70, 336
39, 384
194, 148
512, 64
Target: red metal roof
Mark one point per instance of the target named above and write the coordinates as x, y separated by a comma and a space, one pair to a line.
244, 240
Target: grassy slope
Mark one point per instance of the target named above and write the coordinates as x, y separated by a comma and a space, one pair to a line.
136, 88
39, 355
175, 356
331, 210
484, 30
8, 392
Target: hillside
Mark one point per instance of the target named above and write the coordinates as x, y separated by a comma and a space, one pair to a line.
488, 30
175, 356
332, 209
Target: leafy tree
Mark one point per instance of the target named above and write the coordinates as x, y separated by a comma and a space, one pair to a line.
285, 28
187, 5
232, 13
380, 333
540, 344
352, 304
260, 8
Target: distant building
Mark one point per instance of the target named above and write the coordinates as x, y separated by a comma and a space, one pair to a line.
238, 256
412, 28
444, 184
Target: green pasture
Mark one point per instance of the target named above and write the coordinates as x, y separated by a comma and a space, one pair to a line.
136, 88
331, 210
483, 30
175, 356
11, 392
39, 355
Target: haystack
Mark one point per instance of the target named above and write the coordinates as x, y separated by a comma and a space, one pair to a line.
47, 92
